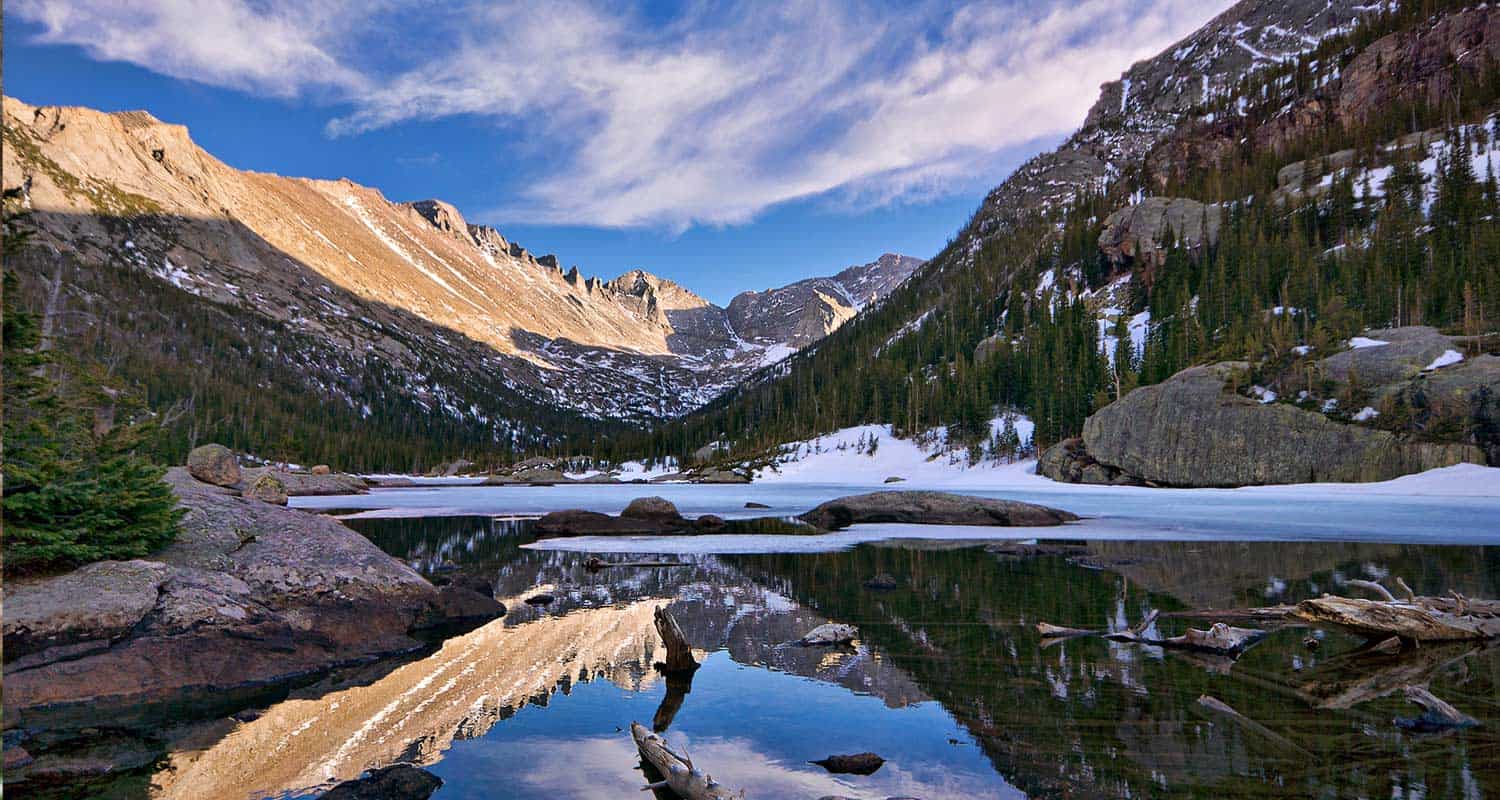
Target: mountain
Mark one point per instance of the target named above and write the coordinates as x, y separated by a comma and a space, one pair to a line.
327, 295
1255, 196
801, 313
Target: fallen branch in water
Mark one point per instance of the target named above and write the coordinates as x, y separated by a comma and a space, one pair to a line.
676, 771
1414, 622
1413, 619
1219, 639
1437, 715
1223, 710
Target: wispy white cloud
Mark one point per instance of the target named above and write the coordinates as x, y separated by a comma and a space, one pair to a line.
707, 118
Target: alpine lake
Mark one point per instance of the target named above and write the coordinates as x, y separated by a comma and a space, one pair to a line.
948, 679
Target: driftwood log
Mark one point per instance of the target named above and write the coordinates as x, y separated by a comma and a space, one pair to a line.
674, 771
1410, 619
1413, 622
679, 653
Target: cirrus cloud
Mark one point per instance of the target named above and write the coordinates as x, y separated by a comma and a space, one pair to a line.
708, 115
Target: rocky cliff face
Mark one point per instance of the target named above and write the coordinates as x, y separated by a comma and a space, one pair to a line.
1137, 114
413, 284
801, 313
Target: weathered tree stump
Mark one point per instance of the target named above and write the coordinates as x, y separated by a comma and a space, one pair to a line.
679, 653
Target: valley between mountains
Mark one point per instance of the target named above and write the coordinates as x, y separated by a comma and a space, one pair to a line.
1201, 258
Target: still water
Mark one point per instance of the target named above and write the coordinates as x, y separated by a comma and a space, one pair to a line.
948, 680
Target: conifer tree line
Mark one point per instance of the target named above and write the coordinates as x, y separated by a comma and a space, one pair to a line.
1314, 268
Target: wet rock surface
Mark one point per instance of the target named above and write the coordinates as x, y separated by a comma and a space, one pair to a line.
248, 595
931, 508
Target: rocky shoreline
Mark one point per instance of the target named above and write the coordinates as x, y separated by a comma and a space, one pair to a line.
250, 595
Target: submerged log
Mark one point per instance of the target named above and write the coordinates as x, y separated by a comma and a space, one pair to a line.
679, 652
597, 564
1379, 619
1050, 631
1224, 711
1437, 715
674, 771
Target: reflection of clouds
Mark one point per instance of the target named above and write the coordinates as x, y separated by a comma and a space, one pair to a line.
606, 768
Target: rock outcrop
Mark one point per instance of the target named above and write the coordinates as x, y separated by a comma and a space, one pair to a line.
1193, 430
1137, 233
931, 508
1388, 356
396, 782
250, 594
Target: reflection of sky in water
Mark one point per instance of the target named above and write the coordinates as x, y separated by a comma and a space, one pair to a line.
749, 727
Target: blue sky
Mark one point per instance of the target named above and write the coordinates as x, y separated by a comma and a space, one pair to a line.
725, 145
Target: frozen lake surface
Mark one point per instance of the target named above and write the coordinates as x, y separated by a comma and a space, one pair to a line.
1459, 505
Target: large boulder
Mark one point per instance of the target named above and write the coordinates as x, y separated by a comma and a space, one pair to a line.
575, 522
249, 595
1192, 430
657, 508
215, 464
931, 508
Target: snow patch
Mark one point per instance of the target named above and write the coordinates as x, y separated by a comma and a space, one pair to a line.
1448, 358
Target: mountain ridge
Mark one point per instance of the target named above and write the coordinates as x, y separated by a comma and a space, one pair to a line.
636, 347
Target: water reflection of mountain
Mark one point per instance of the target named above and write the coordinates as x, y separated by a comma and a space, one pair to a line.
1084, 718
599, 626
1093, 718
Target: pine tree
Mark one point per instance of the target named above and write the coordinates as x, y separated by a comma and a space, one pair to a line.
76, 489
